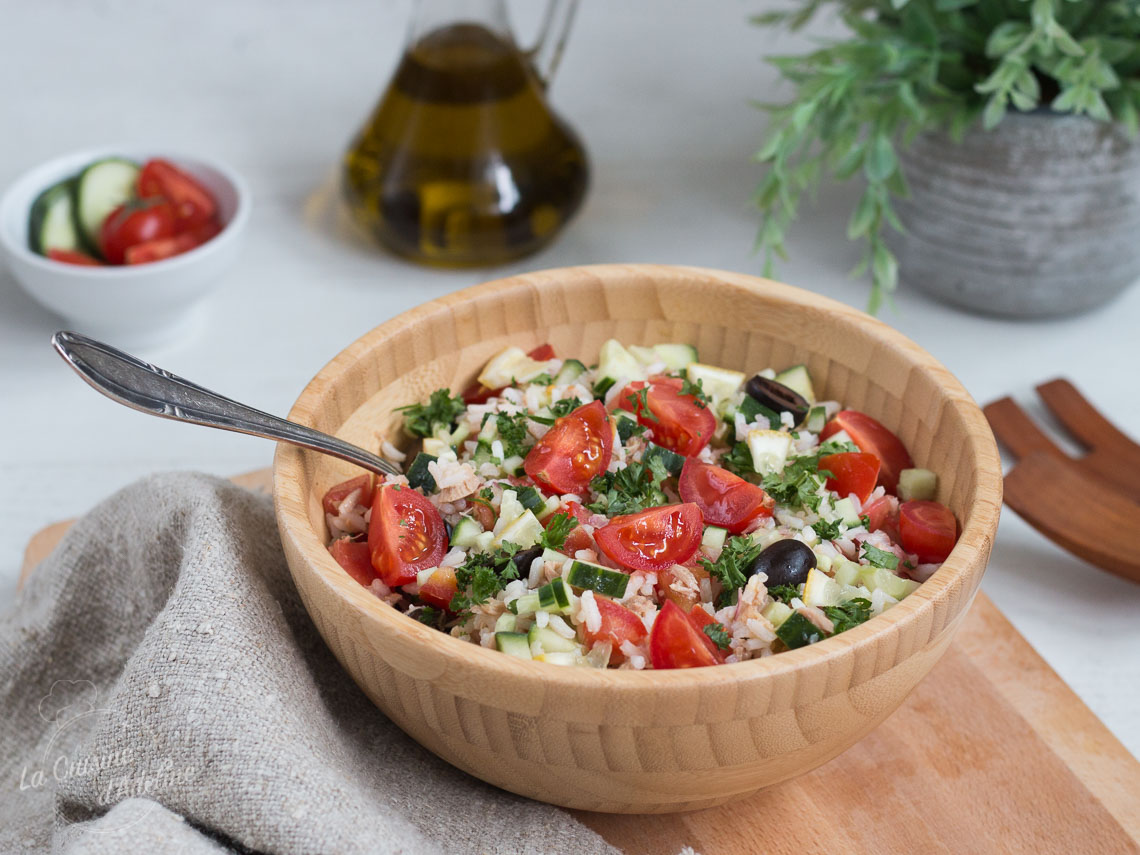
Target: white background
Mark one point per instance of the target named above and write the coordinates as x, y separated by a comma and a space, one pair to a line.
660, 91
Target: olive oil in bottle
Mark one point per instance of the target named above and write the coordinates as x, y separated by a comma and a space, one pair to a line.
463, 163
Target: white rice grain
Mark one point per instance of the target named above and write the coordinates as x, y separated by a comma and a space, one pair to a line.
561, 627
541, 619
588, 612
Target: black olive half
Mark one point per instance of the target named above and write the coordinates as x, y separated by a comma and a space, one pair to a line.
778, 397
785, 562
523, 558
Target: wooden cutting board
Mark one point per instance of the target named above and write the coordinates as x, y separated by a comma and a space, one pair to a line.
991, 753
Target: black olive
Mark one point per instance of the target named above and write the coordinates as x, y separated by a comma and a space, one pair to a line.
786, 562
778, 397
523, 558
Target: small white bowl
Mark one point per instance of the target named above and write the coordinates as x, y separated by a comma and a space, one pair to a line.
129, 304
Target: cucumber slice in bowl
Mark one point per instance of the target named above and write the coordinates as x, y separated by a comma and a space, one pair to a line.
51, 224
99, 189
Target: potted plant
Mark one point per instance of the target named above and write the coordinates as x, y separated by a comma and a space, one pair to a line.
996, 139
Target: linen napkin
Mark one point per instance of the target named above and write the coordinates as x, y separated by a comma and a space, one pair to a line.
164, 691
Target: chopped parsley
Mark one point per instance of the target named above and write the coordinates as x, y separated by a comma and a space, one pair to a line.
750, 408
428, 614
602, 386
541, 380
440, 412
827, 530
880, 558
564, 407
629, 490
513, 433
798, 631
697, 390
639, 401
731, 565
849, 614
627, 427
557, 530
784, 593
717, 633
483, 574
797, 486
738, 460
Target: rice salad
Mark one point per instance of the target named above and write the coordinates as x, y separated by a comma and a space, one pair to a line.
647, 511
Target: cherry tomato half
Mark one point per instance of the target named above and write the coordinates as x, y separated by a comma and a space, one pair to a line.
678, 422
700, 619
134, 223
851, 472
355, 558
405, 533
193, 204
725, 499
928, 529
652, 539
339, 492
883, 515
675, 642
71, 256
542, 353
157, 250
575, 450
875, 439
618, 624
440, 587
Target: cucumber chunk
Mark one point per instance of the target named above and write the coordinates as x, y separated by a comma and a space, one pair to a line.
816, 419
418, 474
770, 450
798, 380
51, 224
713, 538
550, 641
465, 532
507, 622
672, 461
718, 383
99, 189
776, 613
571, 370
513, 644
615, 364
676, 356
553, 597
529, 498
917, 484
600, 580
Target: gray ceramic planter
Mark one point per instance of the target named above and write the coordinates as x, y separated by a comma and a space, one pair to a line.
1037, 218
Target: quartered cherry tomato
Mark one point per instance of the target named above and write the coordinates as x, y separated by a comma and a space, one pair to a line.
135, 222
875, 439
725, 499
851, 472
618, 624
883, 515
542, 353
575, 450
405, 533
339, 492
71, 256
678, 422
193, 204
157, 250
355, 558
928, 529
675, 641
700, 619
652, 539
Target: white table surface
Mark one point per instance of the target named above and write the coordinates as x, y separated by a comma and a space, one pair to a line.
660, 91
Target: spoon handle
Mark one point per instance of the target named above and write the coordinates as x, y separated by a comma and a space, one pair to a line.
150, 389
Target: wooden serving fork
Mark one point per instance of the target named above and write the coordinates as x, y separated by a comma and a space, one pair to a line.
1088, 505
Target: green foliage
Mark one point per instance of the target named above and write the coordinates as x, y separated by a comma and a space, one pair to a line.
910, 66
439, 413
731, 565
629, 490
557, 530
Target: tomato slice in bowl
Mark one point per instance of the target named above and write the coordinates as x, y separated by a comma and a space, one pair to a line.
873, 438
618, 624
193, 203
71, 256
675, 641
542, 353
678, 422
652, 539
851, 472
883, 515
339, 492
405, 533
928, 529
725, 499
355, 558
700, 619
575, 450
440, 587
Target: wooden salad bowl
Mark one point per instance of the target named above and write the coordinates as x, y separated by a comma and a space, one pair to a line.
638, 741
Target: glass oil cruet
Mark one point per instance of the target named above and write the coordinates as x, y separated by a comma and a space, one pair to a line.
463, 162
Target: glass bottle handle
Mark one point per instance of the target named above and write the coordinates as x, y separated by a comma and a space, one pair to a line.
552, 35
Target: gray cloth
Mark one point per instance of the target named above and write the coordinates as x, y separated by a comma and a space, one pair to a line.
164, 691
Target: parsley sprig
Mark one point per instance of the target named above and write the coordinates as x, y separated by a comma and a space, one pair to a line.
482, 576
784, 593
557, 530
441, 411
797, 485
731, 565
717, 633
513, 433
880, 557
849, 614
629, 490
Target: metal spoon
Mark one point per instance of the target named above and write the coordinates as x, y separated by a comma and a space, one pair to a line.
150, 389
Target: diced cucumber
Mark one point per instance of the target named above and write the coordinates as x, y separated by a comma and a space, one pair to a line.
513, 644
770, 449
816, 419
615, 363
645, 355
513, 465
418, 474
716, 382
552, 504
845, 510
625, 422
671, 460
798, 380
507, 622
524, 531
554, 555
750, 408
840, 437
570, 371
776, 613
553, 597
99, 189
527, 604
846, 572
459, 434
881, 579
676, 356
483, 541
917, 484
465, 532
602, 386
435, 447
713, 538
820, 589
509, 367
601, 580
530, 498
51, 223
550, 641
798, 631
510, 509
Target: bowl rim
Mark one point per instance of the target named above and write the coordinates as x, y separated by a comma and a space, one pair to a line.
58, 166
963, 568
